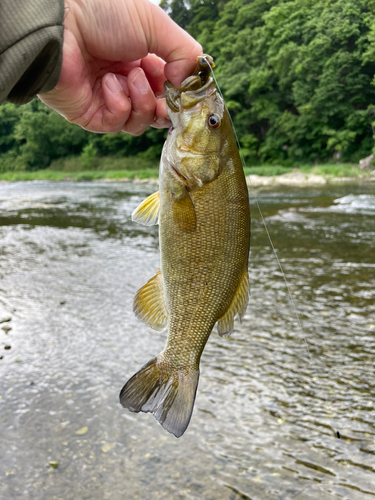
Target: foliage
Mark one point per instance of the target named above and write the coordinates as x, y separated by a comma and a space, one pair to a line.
9, 116
33, 136
70, 170
297, 77
107, 163
86, 175
89, 156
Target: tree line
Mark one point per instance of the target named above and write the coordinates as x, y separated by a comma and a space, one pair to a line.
297, 77
32, 136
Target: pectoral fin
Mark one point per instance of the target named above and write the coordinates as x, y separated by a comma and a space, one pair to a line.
184, 213
148, 211
237, 308
149, 305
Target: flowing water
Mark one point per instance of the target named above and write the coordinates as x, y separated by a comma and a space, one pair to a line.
279, 414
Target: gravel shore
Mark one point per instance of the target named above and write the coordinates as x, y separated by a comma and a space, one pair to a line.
301, 179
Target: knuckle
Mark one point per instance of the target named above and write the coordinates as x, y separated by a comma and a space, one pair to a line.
123, 109
111, 125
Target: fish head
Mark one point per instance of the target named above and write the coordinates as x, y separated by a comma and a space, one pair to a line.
199, 129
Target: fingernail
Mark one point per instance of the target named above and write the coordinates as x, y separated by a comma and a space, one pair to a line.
140, 82
113, 84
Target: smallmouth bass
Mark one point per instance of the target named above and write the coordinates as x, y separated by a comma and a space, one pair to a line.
202, 208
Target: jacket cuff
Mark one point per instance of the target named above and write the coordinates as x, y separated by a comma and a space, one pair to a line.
30, 62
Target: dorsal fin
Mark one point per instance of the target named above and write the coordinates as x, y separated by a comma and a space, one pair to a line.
148, 211
237, 308
149, 305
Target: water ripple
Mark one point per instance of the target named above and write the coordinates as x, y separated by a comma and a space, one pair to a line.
272, 399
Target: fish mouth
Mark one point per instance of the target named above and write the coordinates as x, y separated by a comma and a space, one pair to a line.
196, 87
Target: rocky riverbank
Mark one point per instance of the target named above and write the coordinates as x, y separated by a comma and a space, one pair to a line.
301, 179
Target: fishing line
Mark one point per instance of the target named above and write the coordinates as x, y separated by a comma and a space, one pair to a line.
263, 220
311, 361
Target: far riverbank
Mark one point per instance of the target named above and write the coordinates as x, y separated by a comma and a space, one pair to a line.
301, 179
257, 176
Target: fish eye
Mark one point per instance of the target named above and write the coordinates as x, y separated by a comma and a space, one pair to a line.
214, 121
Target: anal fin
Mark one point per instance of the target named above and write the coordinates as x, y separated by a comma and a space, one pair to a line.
148, 211
149, 305
237, 308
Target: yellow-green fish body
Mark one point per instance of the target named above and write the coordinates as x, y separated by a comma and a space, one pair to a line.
202, 208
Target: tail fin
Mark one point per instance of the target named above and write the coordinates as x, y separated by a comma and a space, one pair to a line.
166, 393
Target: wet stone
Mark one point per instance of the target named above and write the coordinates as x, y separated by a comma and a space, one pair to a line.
82, 431
107, 447
7, 347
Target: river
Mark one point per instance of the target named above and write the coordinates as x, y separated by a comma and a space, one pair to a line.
284, 409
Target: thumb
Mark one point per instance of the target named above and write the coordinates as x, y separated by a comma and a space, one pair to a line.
173, 44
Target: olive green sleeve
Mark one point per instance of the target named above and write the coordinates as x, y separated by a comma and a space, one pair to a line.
31, 39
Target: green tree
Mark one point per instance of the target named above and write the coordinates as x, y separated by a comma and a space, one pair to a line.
179, 11
43, 135
297, 76
9, 117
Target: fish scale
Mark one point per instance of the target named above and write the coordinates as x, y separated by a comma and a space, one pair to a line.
208, 263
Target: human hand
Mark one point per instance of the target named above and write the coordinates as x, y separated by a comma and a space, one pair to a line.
111, 74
